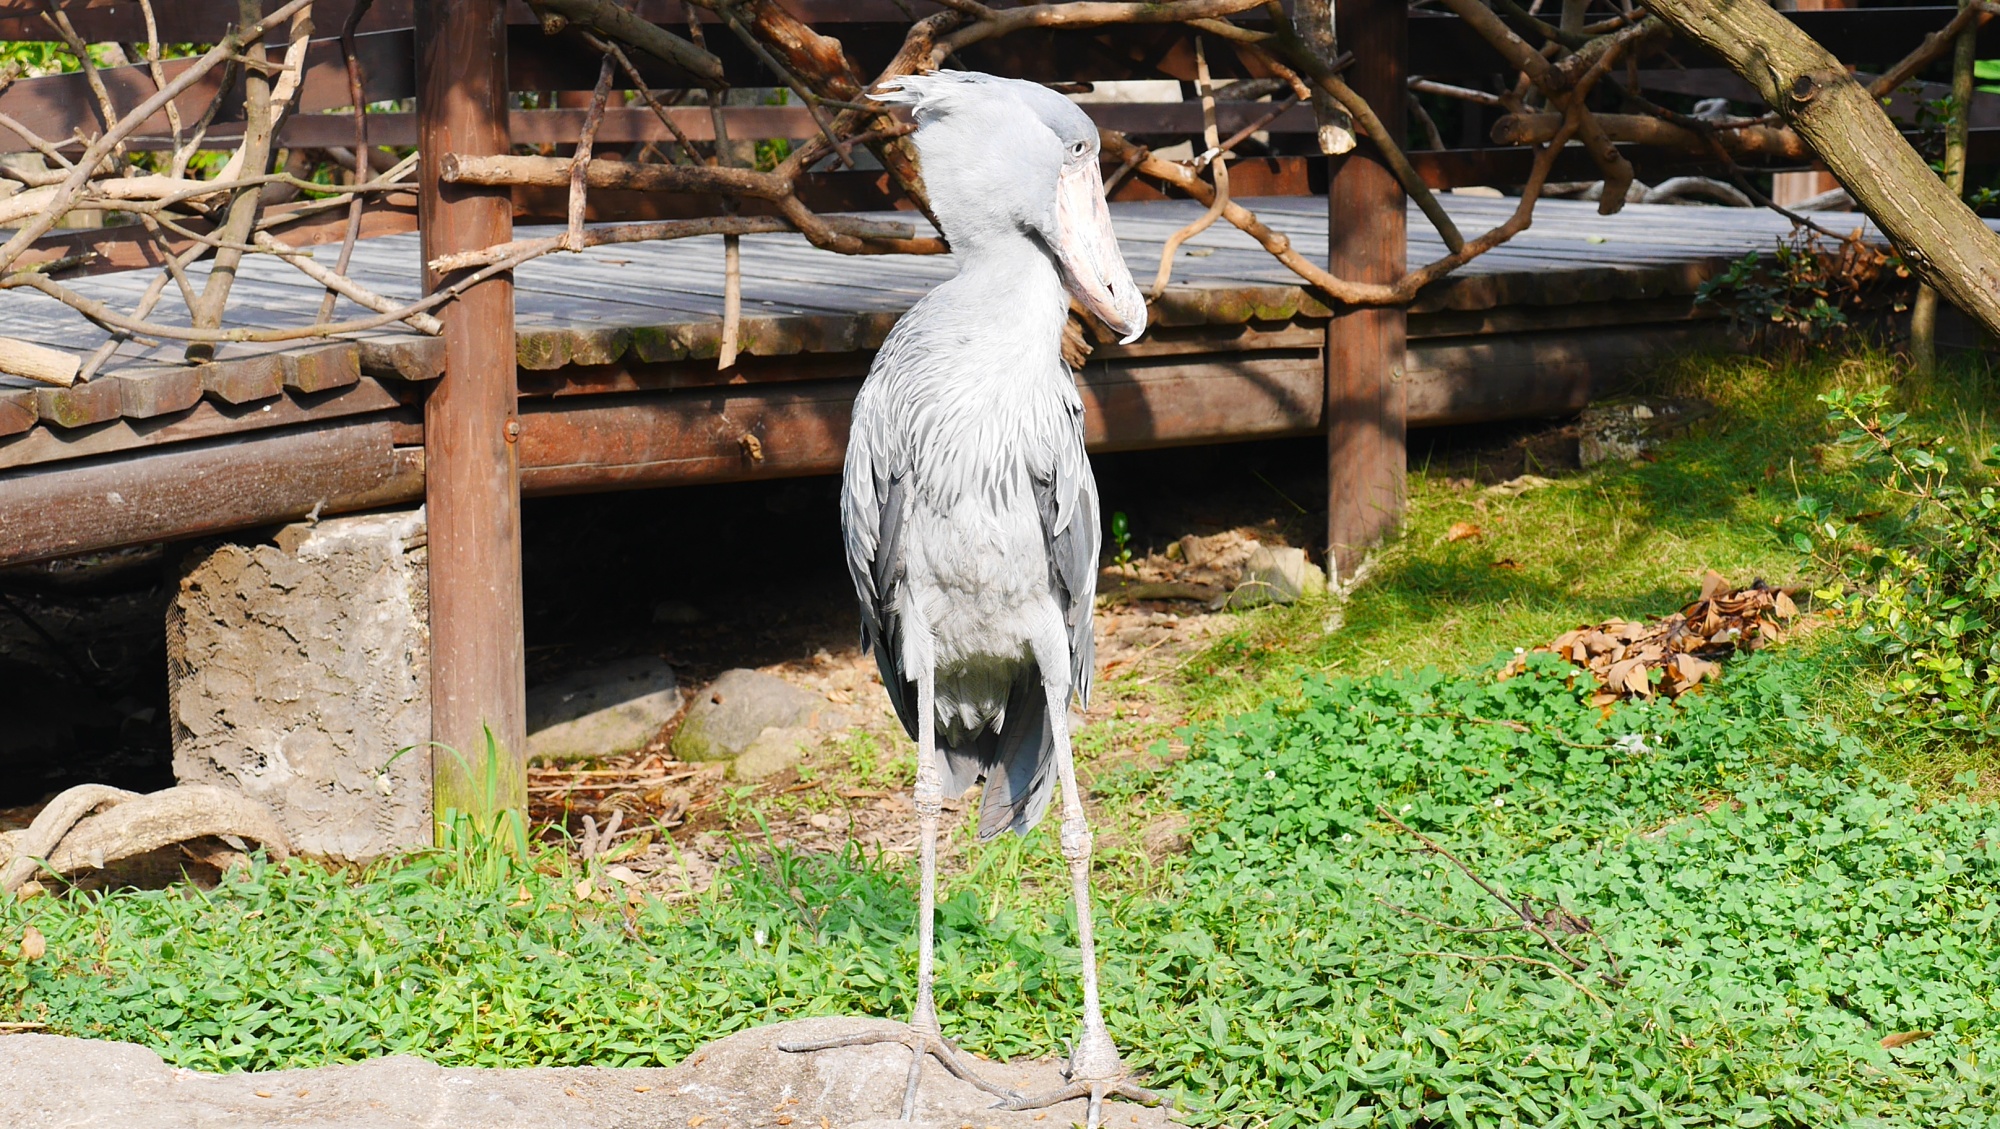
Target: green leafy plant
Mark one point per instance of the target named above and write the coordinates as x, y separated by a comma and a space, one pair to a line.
488, 848
1803, 289
1121, 536
1923, 575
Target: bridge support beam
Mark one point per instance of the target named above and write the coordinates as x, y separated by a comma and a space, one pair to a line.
1366, 398
472, 466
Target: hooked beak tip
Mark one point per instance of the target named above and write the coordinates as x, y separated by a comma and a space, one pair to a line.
1131, 313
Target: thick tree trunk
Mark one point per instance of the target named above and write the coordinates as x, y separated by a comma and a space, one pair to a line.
1936, 234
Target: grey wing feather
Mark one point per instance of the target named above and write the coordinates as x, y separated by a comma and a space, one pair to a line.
1069, 521
1020, 772
872, 508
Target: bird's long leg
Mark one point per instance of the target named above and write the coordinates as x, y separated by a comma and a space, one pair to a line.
924, 1037
1095, 1070
928, 798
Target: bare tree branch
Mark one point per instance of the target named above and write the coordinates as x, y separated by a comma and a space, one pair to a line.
611, 20
108, 141
352, 58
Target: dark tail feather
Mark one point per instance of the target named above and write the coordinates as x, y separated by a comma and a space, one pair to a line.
1020, 769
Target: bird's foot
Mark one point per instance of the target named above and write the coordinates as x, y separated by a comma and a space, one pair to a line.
1095, 1072
922, 1042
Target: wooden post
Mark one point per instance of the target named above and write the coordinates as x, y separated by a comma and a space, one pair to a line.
1365, 395
472, 466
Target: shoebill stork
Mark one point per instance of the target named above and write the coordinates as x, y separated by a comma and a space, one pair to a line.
969, 509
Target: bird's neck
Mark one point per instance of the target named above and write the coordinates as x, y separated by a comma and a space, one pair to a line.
1015, 277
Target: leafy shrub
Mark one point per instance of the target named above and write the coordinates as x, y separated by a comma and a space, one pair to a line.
1803, 289
1925, 575
1525, 755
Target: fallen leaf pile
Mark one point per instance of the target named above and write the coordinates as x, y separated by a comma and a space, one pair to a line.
1686, 647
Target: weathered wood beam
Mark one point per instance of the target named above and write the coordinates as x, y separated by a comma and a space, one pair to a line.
650, 437
1933, 230
1365, 348
192, 489
473, 493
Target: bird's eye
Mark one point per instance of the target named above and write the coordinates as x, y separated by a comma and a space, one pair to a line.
1079, 148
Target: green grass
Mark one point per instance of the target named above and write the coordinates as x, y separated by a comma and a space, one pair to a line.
1772, 883
1616, 540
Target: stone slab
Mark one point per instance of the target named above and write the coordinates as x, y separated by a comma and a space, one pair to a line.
727, 717
56, 1082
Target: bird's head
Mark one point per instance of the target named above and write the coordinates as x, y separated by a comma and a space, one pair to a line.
1003, 158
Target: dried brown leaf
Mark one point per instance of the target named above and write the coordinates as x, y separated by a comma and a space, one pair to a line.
1786, 609
33, 944
1463, 531
1635, 680
1904, 1039
1712, 582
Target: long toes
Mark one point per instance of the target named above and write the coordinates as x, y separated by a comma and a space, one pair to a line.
954, 1061
916, 1074
1053, 1097
1133, 1092
807, 1046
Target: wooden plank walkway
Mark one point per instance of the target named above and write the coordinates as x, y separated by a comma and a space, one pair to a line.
620, 388
656, 303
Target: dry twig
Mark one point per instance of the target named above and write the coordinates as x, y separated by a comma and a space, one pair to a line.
1520, 910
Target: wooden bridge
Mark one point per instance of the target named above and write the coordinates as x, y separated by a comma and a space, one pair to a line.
616, 352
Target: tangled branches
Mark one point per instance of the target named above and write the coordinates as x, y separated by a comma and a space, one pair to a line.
1565, 90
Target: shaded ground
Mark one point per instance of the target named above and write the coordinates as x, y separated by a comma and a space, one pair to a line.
708, 578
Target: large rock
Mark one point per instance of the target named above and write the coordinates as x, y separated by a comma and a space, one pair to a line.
297, 670
1277, 575
53, 1082
738, 706
773, 751
605, 710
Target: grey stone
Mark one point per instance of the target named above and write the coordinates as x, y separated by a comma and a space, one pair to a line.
297, 671
1277, 575
735, 708
1621, 430
605, 710
55, 1082
773, 751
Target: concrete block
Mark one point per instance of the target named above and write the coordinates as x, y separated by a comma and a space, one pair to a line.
298, 670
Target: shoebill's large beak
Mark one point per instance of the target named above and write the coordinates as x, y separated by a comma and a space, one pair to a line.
1087, 248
